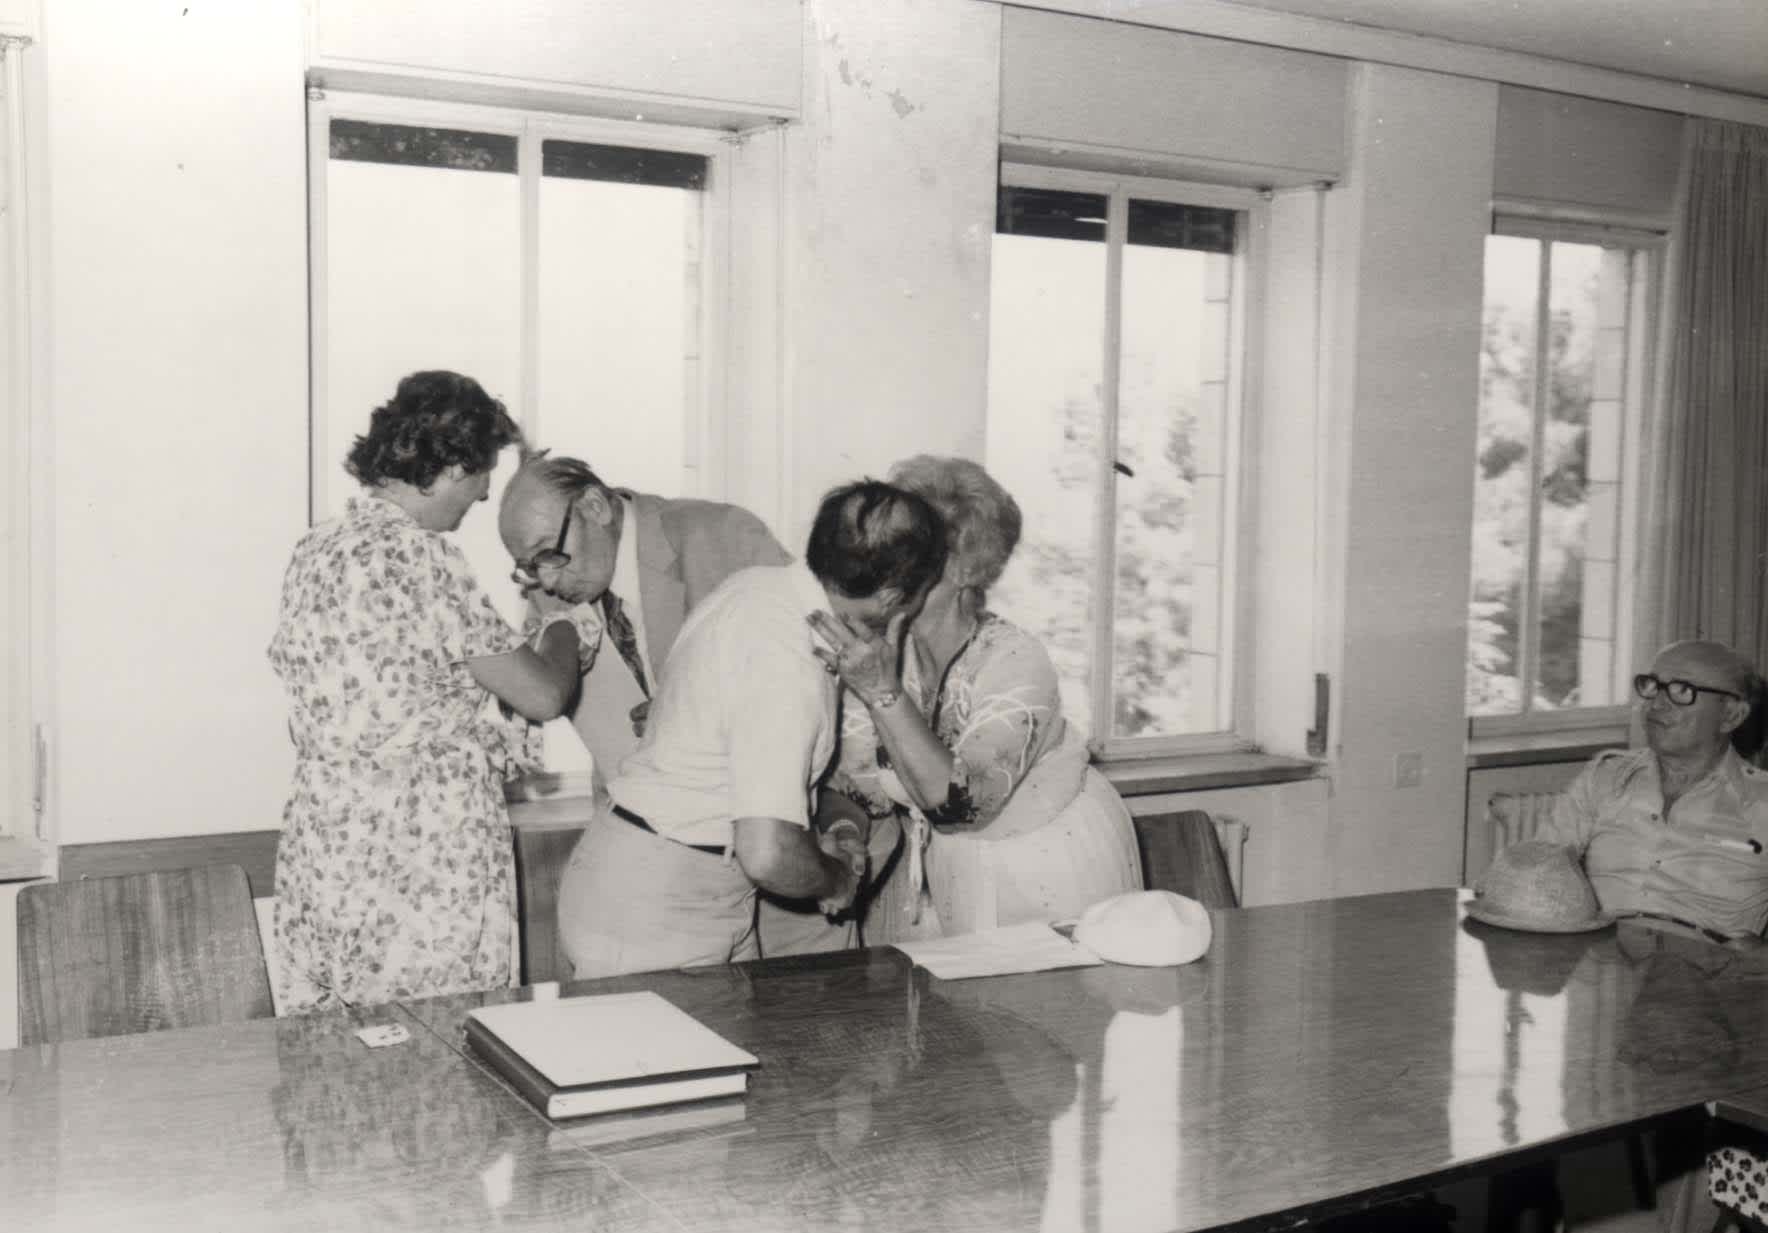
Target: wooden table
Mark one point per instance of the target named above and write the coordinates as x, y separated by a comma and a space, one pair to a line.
1320, 1057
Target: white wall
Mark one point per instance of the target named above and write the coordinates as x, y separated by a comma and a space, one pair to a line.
18, 17
1407, 228
889, 218
178, 384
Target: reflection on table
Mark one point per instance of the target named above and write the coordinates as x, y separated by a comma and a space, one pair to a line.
1319, 1053
282, 1124
1321, 1056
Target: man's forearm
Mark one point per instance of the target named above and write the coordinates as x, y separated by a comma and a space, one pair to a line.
786, 860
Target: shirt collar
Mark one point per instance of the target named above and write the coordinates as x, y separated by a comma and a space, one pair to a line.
1727, 772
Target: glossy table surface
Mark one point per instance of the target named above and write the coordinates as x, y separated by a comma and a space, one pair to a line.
1321, 1055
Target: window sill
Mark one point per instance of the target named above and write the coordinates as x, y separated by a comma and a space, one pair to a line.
1528, 748
1197, 772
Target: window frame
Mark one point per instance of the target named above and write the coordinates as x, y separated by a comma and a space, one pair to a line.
25, 767
705, 433
1246, 309
1550, 224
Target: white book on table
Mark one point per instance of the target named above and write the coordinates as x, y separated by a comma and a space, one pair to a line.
606, 1052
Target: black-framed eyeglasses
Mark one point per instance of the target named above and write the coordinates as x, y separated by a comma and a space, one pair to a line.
1680, 692
527, 573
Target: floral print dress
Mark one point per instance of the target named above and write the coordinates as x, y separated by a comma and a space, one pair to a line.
395, 874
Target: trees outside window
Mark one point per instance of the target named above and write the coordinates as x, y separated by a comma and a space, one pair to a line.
1561, 369
1116, 344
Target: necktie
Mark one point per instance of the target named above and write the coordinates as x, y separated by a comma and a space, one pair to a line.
625, 638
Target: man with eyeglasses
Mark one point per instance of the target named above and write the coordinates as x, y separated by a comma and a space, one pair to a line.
1678, 830
633, 566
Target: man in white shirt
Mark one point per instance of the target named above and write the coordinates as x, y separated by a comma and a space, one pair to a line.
715, 803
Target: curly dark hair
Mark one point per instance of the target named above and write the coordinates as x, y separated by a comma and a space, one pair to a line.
434, 421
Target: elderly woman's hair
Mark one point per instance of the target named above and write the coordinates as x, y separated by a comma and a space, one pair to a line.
434, 421
981, 518
869, 537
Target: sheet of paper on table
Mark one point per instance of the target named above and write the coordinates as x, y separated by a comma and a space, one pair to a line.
1032, 947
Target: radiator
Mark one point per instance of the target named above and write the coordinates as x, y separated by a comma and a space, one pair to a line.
1515, 816
1508, 803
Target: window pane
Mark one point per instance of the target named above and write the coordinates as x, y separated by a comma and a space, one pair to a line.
1502, 490
422, 271
1573, 600
619, 323
1045, 390
1169, 674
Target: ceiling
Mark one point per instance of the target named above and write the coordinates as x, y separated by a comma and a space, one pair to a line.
1722, 44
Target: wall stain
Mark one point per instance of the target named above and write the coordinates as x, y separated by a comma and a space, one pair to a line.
901, 103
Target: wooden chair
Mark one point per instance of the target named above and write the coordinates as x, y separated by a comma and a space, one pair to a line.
1181, 852
541, 856
138, 953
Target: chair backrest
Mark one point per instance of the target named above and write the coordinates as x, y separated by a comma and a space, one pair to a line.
541, 856
1181, 852
137, 953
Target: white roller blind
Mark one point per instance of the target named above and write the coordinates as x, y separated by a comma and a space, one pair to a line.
1107, 85
740, 54
1579, 151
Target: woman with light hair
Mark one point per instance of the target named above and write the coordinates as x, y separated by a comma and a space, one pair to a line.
959, 735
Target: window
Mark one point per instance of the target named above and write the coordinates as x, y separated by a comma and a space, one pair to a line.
1562, 370
566, 264
1116, 347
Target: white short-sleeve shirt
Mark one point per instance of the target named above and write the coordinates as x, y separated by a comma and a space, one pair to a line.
744, 724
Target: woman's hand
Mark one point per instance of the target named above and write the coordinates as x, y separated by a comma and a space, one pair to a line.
869, 665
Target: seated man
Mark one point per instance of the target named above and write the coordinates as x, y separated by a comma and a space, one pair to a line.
1675, 831
715, 804
1678, 830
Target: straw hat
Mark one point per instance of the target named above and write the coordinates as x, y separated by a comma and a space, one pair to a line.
1537, 885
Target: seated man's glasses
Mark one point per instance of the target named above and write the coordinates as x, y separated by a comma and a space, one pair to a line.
1680, 692
527, 573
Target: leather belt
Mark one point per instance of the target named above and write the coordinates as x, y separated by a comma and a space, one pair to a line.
626, 815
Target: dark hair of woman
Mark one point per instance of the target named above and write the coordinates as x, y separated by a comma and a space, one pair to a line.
434, 421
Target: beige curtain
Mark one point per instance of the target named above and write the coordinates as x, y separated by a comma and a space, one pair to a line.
1707, 458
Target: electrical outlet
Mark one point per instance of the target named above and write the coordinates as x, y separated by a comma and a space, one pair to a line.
1408, 769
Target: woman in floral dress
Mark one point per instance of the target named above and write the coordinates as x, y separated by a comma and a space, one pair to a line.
960, 730
394, 873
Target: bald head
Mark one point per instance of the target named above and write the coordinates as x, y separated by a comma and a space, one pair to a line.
1718, 664
1727, 689
561, 505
